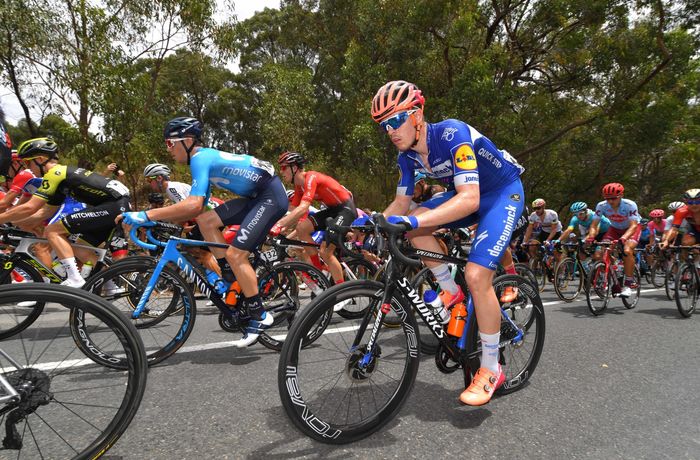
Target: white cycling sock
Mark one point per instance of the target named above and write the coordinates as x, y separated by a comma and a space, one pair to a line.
71, 269
489, 351
444, 278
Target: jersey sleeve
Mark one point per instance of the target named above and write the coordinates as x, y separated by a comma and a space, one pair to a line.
463, 158
296, 198
49, 185
555, 217
310, 184
634, 212
19, 181
572, 223
679, 215
199, 167
598, 211
532, 219
406, 174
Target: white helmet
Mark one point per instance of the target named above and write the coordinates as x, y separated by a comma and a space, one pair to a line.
156, 169
675, 205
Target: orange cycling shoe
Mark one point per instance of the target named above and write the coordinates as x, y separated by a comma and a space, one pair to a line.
448, 300
509, 294
483, 386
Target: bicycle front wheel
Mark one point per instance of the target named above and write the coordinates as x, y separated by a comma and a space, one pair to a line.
335, 392
687, 290
67, 406
540, 271
17, 317
670, 280
632, 301
568, 279
166, 322
658, 274
598, 289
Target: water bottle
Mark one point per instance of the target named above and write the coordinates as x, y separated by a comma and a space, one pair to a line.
86, 269
458, 319
219, 285
434, 302
232, 295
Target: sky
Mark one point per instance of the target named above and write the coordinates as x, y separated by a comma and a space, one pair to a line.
243, 8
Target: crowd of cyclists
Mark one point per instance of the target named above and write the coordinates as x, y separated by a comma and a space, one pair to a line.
451, 177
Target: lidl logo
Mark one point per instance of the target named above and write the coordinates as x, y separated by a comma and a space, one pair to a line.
464, 158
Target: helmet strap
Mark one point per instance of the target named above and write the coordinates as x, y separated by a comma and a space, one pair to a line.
418, 127
189, 149
41, 165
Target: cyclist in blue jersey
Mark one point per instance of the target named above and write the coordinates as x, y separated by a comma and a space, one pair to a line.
584, 222
261, 202
484, 187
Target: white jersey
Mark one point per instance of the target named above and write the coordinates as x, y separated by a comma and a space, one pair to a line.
545, 224
177, 191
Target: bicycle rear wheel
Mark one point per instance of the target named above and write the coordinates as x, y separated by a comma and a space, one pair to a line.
540, 271
286, 290
632, 301
335, 393
17, 317
670, 280
658, 274
69, 406
687, 290
598, 289
170, 313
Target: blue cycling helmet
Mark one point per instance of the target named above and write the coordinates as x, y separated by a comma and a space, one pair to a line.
183, 127
419, 176
644, 221
578, 207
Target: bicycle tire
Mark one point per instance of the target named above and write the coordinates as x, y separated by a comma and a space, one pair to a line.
303, 405
528, 349
565, 276
73, 384
164, 329
29, 313
633, 300
286, 282
598, 287
526, 272
687, 290
540, 272
670, 279
658, 274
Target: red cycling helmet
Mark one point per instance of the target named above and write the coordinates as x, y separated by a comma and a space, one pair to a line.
656, 213
394, 97
613, 190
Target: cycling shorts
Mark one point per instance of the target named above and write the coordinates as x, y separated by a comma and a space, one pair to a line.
541, 236
521, 226
256, 216
96, 223
342, 214
497, 217
67, 208
616, 233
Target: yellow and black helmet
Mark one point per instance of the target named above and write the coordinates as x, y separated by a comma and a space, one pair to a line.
38, 147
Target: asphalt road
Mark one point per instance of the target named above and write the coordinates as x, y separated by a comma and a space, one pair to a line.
622, 385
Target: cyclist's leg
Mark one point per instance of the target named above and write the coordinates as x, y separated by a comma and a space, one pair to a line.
498, 214
343, 214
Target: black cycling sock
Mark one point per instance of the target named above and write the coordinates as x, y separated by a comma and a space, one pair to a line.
226, 272
255, 307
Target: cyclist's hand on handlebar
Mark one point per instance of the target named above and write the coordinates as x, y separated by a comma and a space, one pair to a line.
622, 240
138, 219
362, 220
409, 222
589, 240
276, 230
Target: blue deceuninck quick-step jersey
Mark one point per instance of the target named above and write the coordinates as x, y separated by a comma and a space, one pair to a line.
459, 154
243, 175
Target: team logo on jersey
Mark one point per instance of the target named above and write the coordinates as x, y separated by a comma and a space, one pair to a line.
464, 157
448, 134
515, 197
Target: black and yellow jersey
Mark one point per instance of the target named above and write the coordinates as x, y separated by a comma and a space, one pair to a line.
83, 185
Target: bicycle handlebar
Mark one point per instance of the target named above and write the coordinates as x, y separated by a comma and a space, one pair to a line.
135, 238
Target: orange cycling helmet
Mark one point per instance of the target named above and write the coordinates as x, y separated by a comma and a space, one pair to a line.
613, 190
396, 96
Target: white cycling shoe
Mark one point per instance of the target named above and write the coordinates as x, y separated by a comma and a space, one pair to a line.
626, 291
342, 304
74, 283
253, 330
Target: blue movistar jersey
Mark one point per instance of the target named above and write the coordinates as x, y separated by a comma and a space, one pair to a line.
243, 175
458, 154
584, 225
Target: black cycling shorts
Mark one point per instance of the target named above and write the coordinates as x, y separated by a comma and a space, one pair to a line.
541, 236
256, 216
342, 214
96, 223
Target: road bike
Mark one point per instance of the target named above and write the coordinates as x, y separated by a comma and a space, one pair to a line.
687, 288
357, 375
56, 401
606, 280
157, 294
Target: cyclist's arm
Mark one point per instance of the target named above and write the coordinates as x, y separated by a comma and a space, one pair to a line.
296, 214
7, 200
528, 233
22, 212
668, 237
565, 233
553, 231
186, 209
593, 229
38, 217
464, 203
398, 207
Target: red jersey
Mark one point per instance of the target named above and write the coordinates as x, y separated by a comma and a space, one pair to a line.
684, 213
20, 180
320, 187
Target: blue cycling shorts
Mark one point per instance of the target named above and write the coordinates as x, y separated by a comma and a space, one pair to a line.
497, 217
